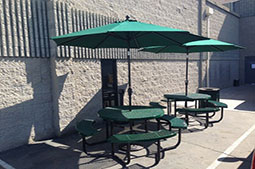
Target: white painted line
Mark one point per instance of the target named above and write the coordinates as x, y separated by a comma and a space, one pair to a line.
5, 165
231, 148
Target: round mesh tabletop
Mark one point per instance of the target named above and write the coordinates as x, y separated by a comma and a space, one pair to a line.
123, 114
189, 97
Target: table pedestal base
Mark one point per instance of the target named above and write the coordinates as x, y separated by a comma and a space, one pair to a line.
133, 147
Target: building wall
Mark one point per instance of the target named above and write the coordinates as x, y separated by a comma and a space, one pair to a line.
151, 79
79, 88
26, 105
224, 66
247, 34
245, 8
47, 96
176, 14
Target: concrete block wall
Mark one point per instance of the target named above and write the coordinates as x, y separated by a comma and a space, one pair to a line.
79, 90
176, 14
79, 84
247, 34
59, 92
223, 72
245, 8
25, 106
224, 66
24, 28
151, 79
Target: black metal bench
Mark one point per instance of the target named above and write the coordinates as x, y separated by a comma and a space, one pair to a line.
154, 136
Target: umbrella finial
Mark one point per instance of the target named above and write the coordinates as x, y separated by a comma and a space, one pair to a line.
127, 18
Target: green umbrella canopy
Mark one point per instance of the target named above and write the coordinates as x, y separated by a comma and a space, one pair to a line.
127, 34
210, 45
124, 34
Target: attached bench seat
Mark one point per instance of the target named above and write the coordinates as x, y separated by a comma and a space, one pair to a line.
157, 105
213, 103
174, 122
86, 128
218, 104
196, 111
129, 139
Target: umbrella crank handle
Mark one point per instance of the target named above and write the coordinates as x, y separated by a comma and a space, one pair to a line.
130, 91
186, 89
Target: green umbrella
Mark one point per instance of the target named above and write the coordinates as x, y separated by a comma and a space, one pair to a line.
210, 45
127, 34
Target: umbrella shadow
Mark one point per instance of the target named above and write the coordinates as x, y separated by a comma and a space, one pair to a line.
52, 155
247, 106
41, 156
246, 162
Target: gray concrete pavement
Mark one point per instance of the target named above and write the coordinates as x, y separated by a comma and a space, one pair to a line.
200, 148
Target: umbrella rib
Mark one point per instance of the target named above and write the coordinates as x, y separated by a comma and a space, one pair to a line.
117, 36
102, 41
167, 38
138, 36
161, 49
135, 39
218, 48
70, 40
144, 33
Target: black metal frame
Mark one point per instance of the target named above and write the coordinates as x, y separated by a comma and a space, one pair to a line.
214, 113
157, 154
207, 116
84, 141
169, 106
170, 128
131, 124
221, 116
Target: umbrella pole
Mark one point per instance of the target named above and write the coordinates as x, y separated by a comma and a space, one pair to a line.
129, 79
187, 78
